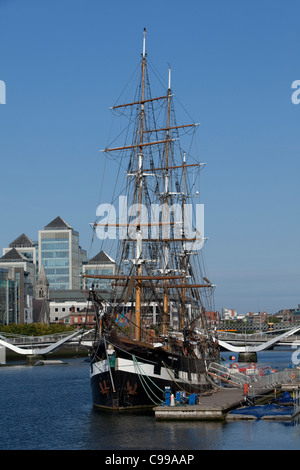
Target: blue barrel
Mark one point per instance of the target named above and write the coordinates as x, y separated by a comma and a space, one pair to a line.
167, 396
192, 399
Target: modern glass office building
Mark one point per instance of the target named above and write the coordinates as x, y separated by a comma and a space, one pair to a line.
28, 251
25, 246
60, 255
8, 297
16, 296
102, 263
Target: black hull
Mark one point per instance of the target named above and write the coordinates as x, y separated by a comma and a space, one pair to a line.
136, 380
123, 398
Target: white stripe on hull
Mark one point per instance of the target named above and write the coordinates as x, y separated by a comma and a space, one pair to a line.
142, 368
99, 367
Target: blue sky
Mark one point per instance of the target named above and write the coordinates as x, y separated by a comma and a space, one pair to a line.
65, 62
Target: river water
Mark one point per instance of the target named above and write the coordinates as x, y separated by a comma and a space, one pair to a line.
50, 408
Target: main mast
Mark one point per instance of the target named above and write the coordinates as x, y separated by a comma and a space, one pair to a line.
166, 209
140, 187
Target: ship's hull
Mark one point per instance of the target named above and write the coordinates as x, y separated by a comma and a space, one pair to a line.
132, 380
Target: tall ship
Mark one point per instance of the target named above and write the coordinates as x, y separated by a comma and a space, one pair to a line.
152, 332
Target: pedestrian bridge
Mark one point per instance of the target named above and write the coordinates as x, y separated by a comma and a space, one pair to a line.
253, 339
248, 352
47, 343
264, 344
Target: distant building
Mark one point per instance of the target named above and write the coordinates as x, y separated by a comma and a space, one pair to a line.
289, 314
25, 246
16, 295
258, 318
296, 314
213, 317
84, 318
8, 298
15, 257
61, 255
102, 263
64, 302
228, 314
41, 302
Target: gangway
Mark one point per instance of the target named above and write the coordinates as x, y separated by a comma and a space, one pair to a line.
253, 379
221, 372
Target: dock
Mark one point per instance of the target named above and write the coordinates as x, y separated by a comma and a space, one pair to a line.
242, 392
209, 407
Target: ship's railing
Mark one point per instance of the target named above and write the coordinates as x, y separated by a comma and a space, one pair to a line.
273, 379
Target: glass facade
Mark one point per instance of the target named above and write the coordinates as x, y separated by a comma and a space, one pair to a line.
59, 254
29, 254
8, 298
16, 294
103, 284
55, 257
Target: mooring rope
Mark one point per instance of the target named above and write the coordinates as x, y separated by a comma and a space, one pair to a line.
141, 374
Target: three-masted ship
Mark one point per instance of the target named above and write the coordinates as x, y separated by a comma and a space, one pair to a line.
159, 286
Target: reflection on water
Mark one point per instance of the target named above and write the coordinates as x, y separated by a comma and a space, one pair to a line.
122, 432
135, 432
50, 407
